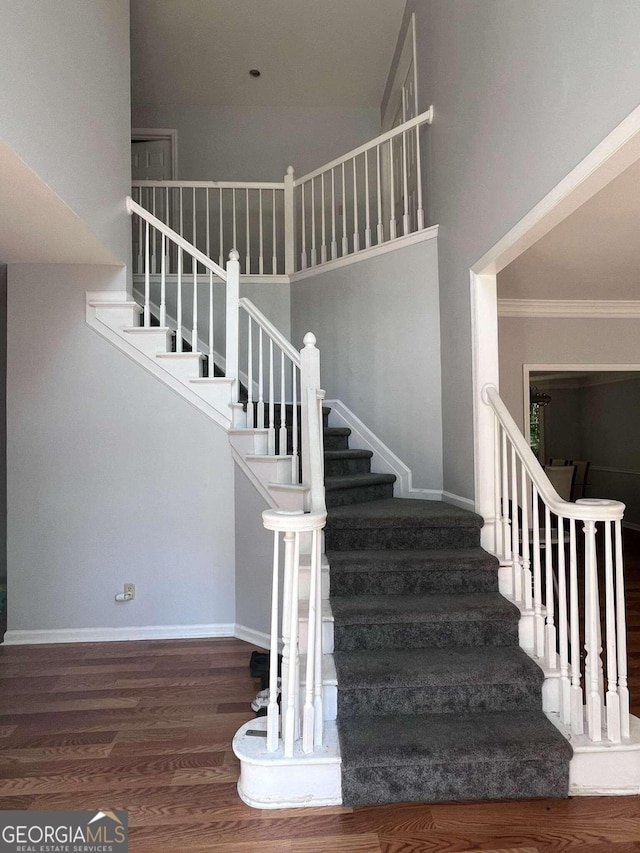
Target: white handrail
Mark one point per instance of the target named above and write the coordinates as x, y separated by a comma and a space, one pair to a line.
189, 248
423, 118
219, 185
267, 326
595, 509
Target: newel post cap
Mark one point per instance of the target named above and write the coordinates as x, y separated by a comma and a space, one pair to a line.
309, 339
234, 255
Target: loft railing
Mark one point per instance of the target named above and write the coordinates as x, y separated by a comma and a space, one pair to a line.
369, 196
557, 574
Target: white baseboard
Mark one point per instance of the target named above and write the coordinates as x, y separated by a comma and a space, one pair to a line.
456, 500
424, 494
113, 635
258, 638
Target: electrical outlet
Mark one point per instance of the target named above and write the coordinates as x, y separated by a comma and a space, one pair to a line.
130, 589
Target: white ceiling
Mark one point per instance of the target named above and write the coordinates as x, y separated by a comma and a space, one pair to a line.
312, 53
592, 254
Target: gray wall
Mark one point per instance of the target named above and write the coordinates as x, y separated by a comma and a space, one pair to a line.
64, 102
532, 340
377, 325
257, 143
3, 421
111, 477
523, 90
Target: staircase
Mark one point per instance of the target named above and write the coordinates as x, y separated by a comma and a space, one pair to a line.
436, 699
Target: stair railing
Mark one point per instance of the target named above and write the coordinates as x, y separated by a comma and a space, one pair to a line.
182, 299
365, 198
216, 217
299, 719
271, 366
369, 196
555, 570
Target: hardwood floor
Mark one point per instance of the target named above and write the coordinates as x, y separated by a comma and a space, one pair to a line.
147, 727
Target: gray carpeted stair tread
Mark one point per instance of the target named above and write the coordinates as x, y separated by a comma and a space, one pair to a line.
348, 454
351, 481
452, 667
386, 609
399, 740
345, 431
407, 560
402, 512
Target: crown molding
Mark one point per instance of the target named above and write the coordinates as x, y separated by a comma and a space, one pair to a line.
621, 309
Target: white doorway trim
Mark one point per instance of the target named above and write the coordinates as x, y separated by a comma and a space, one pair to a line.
147, 134
610, 158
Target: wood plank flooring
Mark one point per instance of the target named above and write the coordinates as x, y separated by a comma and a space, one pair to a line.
147, 727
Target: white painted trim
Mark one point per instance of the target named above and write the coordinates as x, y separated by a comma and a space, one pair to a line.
142, 134
621, 309
407, 55
152, 366
116, 635
384, 460
249, 635
609, 159
363, 255
172, 278
456, 500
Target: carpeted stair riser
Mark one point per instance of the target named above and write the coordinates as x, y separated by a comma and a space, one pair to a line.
340, 463
439, 700
419, 635
404, 539
336, 438
357, 494
412, 572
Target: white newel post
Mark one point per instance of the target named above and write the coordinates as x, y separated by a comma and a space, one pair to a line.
309, 378
232, 321
289, 223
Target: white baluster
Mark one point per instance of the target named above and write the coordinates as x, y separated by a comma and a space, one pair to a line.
592, 643
232, 320
207, 223
179, 303
250, 418
233, 215
212, 365
273, 711
515, 533
506, 528
221, 236
420, 212
260, 380
612, 699
497, 529
314, 254
334, 244
194, 228
308, 725
163, 283
538, 618
295, 465
147, 311
260, 235
405, 186
153, 244
356, 230
577, 699
289, 223
345, 239
621, 624
271, 440
291, 722
247, 265
367, 212
550, 630
318, 701
140, 267
526, 555
287, 668
563, 629
194, 328
282, 438
169, 222
274, 246
323, 246
392, 221
303, 256
380, 226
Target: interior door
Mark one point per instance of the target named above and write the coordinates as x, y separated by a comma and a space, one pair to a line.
151, 160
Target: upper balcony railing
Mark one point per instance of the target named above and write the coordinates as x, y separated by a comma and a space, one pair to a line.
369, 196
